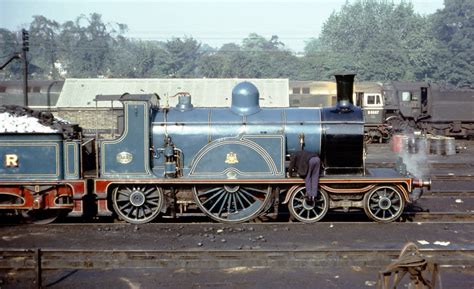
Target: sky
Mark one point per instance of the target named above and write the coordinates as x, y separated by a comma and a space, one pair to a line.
213, 22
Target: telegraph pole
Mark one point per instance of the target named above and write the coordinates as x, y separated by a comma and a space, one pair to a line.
26, 47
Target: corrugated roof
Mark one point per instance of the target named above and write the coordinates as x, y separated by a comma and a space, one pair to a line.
207, 92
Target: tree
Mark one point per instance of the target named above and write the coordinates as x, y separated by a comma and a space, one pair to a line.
376, 39
255, 42
183, 57
453, 27
87, 45
9, 46
137, 59
44, 45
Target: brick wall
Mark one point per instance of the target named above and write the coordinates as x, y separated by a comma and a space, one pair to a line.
104, 119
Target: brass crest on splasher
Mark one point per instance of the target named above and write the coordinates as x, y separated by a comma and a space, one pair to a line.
231, 158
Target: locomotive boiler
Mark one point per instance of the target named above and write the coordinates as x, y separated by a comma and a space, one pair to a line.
230, 162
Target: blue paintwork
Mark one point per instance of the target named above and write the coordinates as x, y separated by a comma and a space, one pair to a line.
72, 158
192, 130
129, 155
261, 138
255, 156
40, 156
245, 98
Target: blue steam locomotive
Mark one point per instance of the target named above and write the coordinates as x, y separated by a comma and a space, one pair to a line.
228, 163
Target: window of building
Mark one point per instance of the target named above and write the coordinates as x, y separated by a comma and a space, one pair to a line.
3, 89
305, 90
36, 89
296, 90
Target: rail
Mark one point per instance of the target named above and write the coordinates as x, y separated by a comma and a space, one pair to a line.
40, 260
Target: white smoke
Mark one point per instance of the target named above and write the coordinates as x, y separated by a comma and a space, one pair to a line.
415, 155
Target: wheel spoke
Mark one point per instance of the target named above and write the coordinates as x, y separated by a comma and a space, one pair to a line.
150, 190
217, 202
151, 203
229, 200
244, 198
130, 211
231, 203
301, 212
256, 190
223, 204
146, 209
249, 194
234, 202
237, 196
125, 206
299, 200
209, 191
217, 194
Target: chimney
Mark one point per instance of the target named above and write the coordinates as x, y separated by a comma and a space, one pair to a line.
345, 88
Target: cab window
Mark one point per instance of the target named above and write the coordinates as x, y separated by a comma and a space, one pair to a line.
373, 99
406, 96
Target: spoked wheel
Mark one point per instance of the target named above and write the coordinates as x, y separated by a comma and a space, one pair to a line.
137, 204
41, 217
384, 204
395, 123
305, 211
232, 203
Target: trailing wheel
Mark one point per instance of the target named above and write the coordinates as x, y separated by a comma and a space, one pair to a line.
306, 211
384, 204
232, 203
137, 204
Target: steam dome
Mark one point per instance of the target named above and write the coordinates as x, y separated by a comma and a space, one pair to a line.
245, 99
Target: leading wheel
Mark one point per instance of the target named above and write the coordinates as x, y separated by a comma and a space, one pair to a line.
306, 211
384, 204
137, 204
232, 203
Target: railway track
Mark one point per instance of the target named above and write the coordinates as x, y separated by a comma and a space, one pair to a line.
37, 266
52, 252
50, 259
